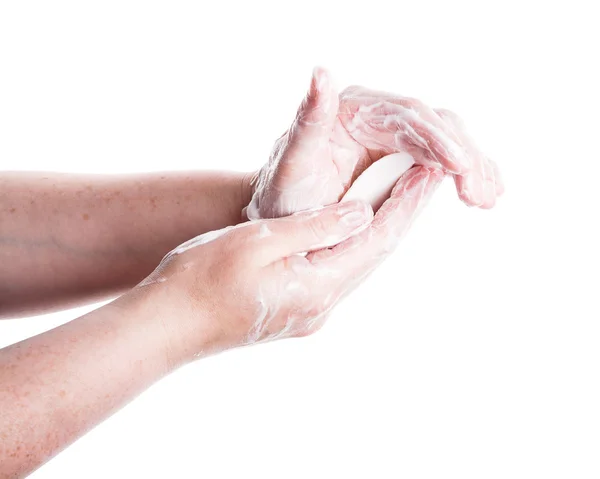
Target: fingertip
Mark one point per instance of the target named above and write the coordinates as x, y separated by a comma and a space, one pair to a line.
489, 200
321, 79
499, 182
318, 86
313, 89
318, 110
470, 199
499, 188
467, 191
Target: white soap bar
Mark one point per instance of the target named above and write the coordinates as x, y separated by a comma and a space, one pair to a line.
375, 184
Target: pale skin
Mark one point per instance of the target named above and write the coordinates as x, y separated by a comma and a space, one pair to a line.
67, 240
334, 138
58, 385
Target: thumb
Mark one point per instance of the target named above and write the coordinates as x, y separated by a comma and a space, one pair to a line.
312, 230
316, 115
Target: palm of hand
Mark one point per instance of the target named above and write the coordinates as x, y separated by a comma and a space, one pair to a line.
312, 164
312, 180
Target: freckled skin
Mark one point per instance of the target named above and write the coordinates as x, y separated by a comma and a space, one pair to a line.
56, 389
225, 289
67, 239
233, 286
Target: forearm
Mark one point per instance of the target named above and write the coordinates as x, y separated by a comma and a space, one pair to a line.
58, 385
68, 239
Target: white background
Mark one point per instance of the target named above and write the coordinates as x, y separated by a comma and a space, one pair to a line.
474, 352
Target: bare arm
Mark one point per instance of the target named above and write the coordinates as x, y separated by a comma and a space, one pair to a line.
56, 386
70, 239
230, 288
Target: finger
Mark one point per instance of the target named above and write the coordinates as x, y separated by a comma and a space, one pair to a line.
311, 230
358, 255
489, 186
478, 186
470, 185
497, 178
379, 120
316, 115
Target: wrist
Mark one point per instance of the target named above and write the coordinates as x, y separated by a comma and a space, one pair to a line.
140, 311
127, 333
182, 331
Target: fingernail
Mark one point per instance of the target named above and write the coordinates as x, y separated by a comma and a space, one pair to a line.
355, 213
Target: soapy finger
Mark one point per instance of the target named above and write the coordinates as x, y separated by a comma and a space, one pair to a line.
315, 118
381, 120
360, 254
480, 185
310, 230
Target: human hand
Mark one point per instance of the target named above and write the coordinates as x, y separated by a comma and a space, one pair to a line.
250, 283
334, 139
